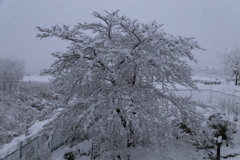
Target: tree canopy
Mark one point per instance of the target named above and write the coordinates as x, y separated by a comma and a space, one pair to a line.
116, 80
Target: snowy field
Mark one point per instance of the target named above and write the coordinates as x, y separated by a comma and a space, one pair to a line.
37, 78
180, 150
225, 86
176, 150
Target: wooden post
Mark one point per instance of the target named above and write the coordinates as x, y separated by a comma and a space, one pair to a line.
218, 151
95, 149
128, 157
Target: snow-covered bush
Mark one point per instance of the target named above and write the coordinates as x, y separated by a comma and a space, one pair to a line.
19, 109
14, 121
230, 107
186, 120
38, 90
221, 126
69, 156
216, 125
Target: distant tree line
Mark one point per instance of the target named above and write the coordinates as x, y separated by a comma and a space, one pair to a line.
231, 62
11, 72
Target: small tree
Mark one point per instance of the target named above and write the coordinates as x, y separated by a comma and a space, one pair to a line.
116, 80
231, 61
11, 72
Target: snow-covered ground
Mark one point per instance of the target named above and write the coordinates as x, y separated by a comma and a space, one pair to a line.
177, 151
180, 150
37, 78
33, 131
225, 86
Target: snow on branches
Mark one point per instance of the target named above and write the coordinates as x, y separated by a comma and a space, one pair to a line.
116, 69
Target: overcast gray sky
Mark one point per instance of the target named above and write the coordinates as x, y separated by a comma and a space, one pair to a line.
214, 23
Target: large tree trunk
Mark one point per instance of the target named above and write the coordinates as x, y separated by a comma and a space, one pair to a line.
130, 142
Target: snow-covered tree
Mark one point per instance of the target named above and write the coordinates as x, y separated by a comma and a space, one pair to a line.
11, 71
231, 61
115, 81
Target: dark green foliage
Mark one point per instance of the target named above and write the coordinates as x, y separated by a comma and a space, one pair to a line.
185, 128
69, 156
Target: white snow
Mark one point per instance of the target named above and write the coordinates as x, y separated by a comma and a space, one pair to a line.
33, 130
37, 78
177, 151
82, 149
180, 150
38, 125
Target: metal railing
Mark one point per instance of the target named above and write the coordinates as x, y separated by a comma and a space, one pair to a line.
208, 97
35, 148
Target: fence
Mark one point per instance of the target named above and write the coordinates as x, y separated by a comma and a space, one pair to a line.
208, 97
36, 148
29, 149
